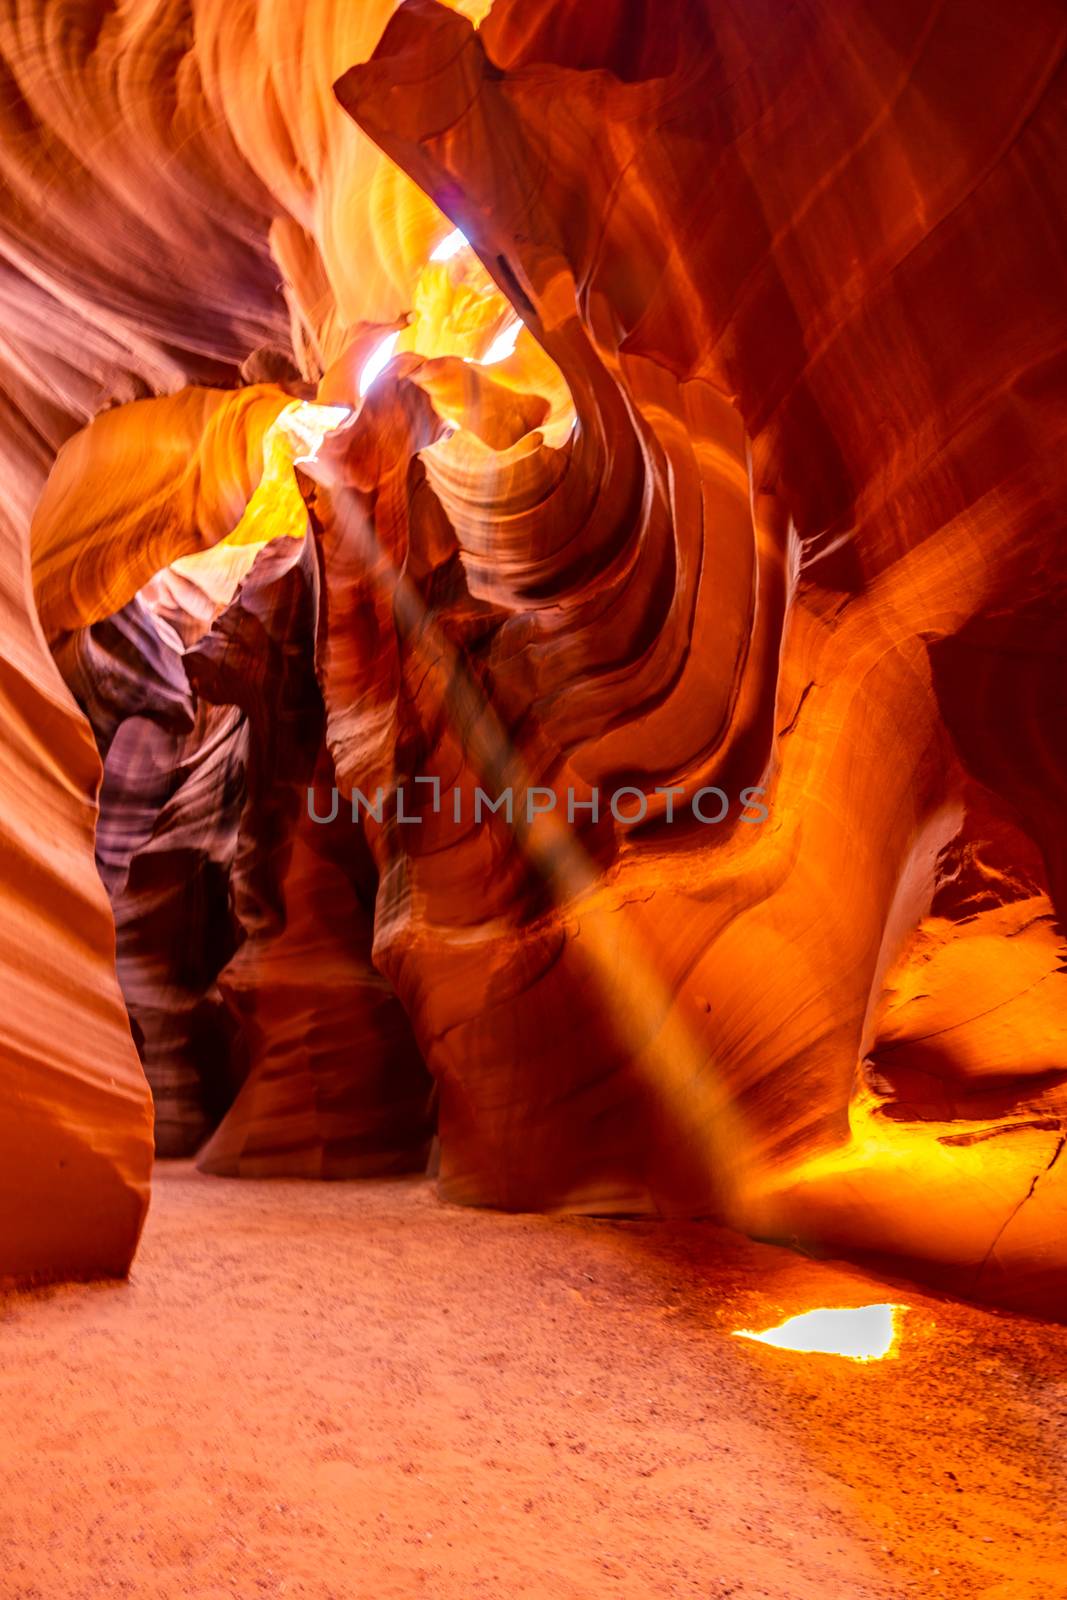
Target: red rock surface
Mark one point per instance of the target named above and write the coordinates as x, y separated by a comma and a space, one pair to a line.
796, 279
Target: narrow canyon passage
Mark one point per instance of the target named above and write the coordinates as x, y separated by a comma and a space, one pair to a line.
533, 779
329, 1390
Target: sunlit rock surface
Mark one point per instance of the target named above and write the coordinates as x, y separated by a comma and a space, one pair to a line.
764, 496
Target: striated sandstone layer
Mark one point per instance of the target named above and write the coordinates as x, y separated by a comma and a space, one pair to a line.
759, 495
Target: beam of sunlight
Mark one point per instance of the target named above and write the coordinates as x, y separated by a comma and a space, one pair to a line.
377, 361
450, 245
858, 1333
672, 1059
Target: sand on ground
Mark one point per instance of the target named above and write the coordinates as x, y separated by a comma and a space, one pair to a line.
354, 1392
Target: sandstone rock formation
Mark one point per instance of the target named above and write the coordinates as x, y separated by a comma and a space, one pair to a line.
336, 1087
75, 1113
758, 497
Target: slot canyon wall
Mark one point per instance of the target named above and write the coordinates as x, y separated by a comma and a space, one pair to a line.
719, 448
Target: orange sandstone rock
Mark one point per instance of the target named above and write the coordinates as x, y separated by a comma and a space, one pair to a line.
75, 1111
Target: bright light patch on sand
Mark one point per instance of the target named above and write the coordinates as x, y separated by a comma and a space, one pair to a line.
450, 245
858, 1333
377, 361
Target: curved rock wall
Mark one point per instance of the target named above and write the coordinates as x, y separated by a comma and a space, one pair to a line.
75, 1112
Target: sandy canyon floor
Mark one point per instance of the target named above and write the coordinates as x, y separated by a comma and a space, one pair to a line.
354, 1392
